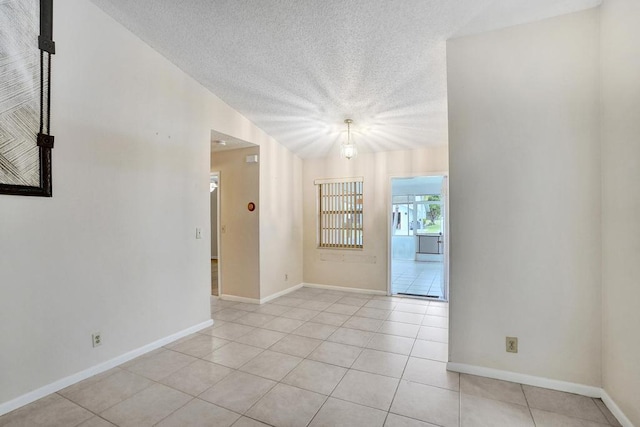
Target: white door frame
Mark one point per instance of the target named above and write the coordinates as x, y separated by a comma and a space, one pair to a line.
445, 264
218, 222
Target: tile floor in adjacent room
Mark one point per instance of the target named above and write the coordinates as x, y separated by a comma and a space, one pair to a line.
313, 357
418, 278
214, 277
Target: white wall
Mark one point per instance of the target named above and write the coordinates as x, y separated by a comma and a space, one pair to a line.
114, 250
620, 50
366, 268
280, 219
525, 198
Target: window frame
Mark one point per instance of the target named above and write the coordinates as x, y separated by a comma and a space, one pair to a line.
341, 225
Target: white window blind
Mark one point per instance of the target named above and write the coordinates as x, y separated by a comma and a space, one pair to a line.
340, 213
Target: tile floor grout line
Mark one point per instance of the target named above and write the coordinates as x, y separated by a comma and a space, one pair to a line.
319, 409
128, 397
562, 413
254, 403
395, 392
102, 418
528, 407
359, 404
93, 414
418, 419
251, 418
347, 371
177, 409
115, 368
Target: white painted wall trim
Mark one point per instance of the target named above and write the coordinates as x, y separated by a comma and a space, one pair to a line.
295, 288
281, 293
584, 390
261, 300
515, 377
344, 289
239, 299
46, 390
615, 409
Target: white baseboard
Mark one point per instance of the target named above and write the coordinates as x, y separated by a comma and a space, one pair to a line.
261, 300
239, 299
345, 289
41, 392
584, 390
281, 293
295, 288
615, 410
515, 377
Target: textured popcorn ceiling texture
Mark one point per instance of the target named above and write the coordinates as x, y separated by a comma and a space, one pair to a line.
298, 68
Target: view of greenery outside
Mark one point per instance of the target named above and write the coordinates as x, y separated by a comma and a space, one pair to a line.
434, 210
431, 221
414, 214
436, 227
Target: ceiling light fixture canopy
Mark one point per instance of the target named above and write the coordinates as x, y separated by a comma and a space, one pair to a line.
348, 149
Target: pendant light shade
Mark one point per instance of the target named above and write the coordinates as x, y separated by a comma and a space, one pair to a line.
348, 149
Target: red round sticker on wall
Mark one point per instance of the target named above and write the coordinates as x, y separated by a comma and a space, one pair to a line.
251, 206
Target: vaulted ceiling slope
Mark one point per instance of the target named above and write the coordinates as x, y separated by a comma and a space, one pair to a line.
298, 68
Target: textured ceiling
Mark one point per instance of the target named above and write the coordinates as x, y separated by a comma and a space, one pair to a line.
298, 68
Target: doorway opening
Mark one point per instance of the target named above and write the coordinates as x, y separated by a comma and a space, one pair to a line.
214, 191
234, 172
418, 234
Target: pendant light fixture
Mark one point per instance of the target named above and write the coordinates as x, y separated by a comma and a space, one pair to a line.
348, 149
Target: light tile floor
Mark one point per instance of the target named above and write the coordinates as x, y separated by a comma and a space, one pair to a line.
311, 358
418, 278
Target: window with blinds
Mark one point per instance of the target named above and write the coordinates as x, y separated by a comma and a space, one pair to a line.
340, 213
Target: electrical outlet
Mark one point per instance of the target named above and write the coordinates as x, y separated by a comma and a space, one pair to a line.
512, 344
96, 337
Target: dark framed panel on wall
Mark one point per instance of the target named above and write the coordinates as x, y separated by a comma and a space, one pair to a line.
26, 46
